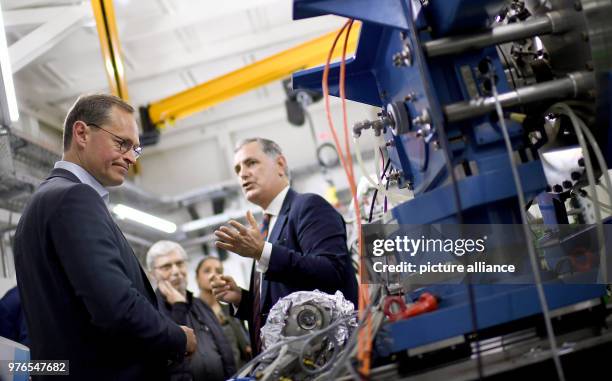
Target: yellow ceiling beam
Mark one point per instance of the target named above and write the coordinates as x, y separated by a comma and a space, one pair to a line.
104, 14
273, 68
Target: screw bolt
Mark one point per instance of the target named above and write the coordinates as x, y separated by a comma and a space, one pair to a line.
410, 97
397, 59
422, 119
403, 58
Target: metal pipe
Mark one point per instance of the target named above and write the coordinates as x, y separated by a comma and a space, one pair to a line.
553, 22
570, 86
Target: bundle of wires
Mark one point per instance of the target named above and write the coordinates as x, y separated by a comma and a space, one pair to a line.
581, 130
280, 349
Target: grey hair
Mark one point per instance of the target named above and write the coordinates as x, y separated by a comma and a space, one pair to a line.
161, 248
268, 146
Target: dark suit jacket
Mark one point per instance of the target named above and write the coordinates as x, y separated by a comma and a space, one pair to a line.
84, 294
214, 359
309, 252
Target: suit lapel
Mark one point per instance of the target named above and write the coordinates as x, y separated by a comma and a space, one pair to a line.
279, 226
149, 289
132, 260
60, 172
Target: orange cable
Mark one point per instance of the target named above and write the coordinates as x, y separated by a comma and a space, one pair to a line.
364, 350
343, 99
364, 337
325, 87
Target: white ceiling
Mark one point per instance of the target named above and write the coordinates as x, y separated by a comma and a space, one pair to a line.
168, 46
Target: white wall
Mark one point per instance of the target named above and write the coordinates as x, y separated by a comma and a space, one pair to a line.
185, 168
195, 156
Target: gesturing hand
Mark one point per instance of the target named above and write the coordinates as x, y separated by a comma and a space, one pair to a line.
225, 289
243, 240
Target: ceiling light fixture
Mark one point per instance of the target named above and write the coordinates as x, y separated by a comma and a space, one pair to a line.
127, 213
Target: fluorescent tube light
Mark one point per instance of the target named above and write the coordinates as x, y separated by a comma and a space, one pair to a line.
214, 220
125, 212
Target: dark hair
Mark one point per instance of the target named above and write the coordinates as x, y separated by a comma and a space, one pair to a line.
94, 109
202, 262
268, 146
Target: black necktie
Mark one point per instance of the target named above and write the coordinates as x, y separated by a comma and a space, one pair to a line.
265, 224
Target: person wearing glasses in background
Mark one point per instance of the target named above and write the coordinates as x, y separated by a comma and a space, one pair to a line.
213, 359
85, 296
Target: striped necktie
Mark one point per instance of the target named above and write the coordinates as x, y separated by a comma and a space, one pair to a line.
265, 224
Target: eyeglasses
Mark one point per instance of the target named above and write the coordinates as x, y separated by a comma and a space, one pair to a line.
168, 266
124, 144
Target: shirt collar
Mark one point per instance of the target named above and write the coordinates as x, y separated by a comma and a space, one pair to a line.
85, 177
277, 203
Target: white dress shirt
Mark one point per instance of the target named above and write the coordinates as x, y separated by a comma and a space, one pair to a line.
85, 177
273, 210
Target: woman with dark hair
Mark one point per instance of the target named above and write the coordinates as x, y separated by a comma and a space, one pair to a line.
234, 331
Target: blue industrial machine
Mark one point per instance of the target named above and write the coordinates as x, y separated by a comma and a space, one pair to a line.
442, 73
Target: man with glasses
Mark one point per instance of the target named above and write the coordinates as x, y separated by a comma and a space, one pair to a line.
214, 359
85, 297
